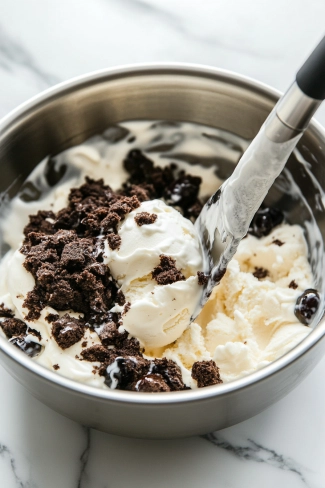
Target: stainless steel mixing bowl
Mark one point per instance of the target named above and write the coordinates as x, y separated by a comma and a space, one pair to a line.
67, 115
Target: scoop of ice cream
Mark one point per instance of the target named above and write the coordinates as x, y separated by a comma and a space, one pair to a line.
158, 310
249, 320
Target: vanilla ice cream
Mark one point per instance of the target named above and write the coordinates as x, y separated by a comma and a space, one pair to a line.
103, 288
249, 322
158, 314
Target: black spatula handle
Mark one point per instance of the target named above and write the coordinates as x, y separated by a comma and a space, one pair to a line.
311, 76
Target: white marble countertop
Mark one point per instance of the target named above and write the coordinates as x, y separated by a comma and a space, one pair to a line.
43, 42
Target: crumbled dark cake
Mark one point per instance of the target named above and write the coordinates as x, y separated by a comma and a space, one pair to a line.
41, 222
166, 272
260, 273
293, 285
29, 347
202, 278
17, 331
264, 221
13, 327
145, 218
307, 305
98, 353
152, 383
206, 373
170, 372
5, 312
277, 242
123, 372
67, 331
148, 182
64, 252
56, 367
69, 275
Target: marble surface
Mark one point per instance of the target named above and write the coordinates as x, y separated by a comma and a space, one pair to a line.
43, 42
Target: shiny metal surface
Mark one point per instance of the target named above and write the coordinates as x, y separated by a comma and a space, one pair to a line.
295, 109
291, 115
71, 112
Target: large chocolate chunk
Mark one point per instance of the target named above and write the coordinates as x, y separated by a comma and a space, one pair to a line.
206, 373
67, 331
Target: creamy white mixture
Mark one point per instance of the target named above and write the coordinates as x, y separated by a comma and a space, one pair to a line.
247, 322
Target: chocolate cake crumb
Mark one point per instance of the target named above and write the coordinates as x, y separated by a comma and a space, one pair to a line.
98, 353
202, 278
120, 298
151, 383
114, 241
145, 218
143, 192
206, 373
260, 273
180, 190
166, 272
30, 348
51, 317
56, 367
170, 372
123, 372
84, 344
278, 242
109, 334
68, 331
13, 327
41, 222
5, 312
293, 285
126, 308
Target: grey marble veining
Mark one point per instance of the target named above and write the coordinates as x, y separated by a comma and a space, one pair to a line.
252, 451
43, 42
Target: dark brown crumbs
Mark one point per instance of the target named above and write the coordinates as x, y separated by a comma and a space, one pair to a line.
124, 368
120, 298
13, 327
29, 347
67, 331
69, 275
176, 188
166, 272
56, 367
260, 273
51, 317
5, 312
170, 372
293, 285
278, 242
202, 278
141, 192
124, 372
41, 222
84, 344
126, 308
98, 353
152, 383
206, 373
145, 218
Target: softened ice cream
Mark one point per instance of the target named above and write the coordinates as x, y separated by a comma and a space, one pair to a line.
103, 281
